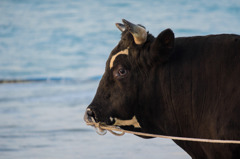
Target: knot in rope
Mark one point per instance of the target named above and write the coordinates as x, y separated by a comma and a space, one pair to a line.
102, 129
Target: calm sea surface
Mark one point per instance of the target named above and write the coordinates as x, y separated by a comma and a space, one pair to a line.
62, 46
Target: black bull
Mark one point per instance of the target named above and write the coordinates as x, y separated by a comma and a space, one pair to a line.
187, 86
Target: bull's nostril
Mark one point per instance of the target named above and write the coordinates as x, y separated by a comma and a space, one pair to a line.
90, 113
89, 116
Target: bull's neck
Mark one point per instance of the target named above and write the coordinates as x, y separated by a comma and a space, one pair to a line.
158, 108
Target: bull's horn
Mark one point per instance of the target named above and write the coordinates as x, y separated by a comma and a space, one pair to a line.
121, 27
139, 33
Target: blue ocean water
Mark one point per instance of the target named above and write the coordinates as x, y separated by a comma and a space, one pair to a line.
61, 47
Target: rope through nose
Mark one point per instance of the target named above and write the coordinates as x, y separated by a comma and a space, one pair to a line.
101, 127
114, 128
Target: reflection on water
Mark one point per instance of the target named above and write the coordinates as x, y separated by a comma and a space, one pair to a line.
57, 50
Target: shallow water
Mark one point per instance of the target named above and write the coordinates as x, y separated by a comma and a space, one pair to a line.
61, 47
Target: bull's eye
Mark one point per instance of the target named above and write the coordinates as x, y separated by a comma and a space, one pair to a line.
120, 72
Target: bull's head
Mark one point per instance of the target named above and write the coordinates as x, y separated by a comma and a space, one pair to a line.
117, 100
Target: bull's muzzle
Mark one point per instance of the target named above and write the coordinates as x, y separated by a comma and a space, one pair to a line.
90, 119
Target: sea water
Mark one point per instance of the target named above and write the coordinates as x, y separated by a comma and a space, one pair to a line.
61, 48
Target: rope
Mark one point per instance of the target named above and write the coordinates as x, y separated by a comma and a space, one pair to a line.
114, 128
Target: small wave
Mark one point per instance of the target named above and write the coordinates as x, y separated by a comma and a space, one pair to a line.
73, 130
37, 133
7, 149
53, 79
50, 80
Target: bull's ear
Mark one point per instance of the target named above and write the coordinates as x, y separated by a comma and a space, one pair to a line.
163, 45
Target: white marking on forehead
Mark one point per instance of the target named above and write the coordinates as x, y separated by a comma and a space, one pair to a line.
131, 122
123, 52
